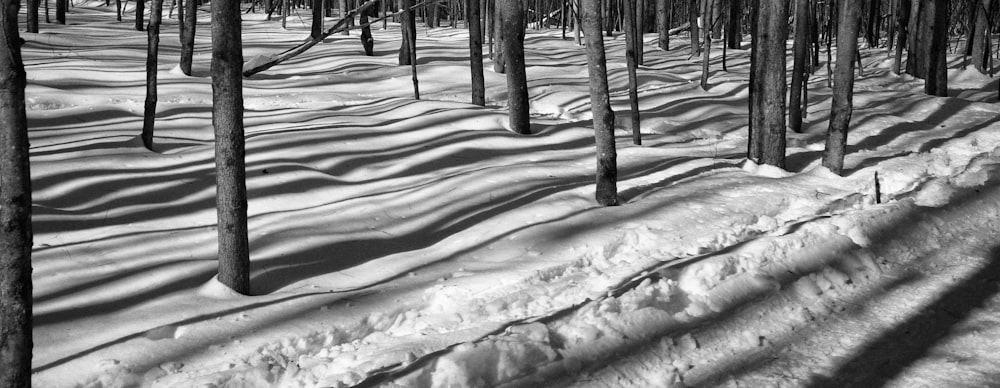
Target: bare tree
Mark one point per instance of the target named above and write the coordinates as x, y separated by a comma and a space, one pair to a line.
767, 83
317, 19
512, 24
600, 104
843, 85
799, 73
903, 8
663, 14
230, 150
62, 5
631, 62
15, 214
980, 41
188, 28
140, 14
32, 16
410, 35
476, 53
152, 52
367, 41
734, 35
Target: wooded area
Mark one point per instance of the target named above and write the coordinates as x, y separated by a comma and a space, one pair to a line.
916, 34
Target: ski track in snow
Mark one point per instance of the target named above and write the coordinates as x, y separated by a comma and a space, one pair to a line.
420, 243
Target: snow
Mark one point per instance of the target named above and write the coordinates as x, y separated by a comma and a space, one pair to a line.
400, 242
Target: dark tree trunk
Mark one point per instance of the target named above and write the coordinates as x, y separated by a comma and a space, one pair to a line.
410, 40
512, 25
367, 41
631, 35
706, 17
916, 50
476, 53
118, 10
640, 28
936, 80
768, 86
187, 35
15, 212
152, 53
32, 16
499, 59
695, 32
663, 13
600, 104
230, 151
140, 14
874, 18
286, 8
61, 6
799, 47
980, 43
734, 34
843, 85
317, 19
902, 28
343, 14
410, 33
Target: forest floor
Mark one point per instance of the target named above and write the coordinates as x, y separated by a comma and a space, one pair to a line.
420, 243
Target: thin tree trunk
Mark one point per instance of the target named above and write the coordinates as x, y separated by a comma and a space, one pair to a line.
734, 34
230, 150
769, 85
707, 42
980, 45
188, 29
409, 32
410, 40
140, 14
286, 8
499, 59
512, 25
663, 12
15, 214
631, 35
798, 65
843, 85
152, 53
640, 28
476, 53
600, 104
694, 26
32, 16
367, 41
902, 21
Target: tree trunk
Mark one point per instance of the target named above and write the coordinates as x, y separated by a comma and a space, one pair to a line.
843, 85
512, 25
707, 42
600, 104
663, 13
187, 35
61, 6
936, 80
343, 14
916, 50
795, 103
367, 41
768, 86
631, 35
230, 151
694, 27
410, 40
499, 60
640, 29
902, 28
874, 18
734, 34
152, 53
140, 14
980, 43
410, 33
15, 212
32, 16
476, 53
317, 19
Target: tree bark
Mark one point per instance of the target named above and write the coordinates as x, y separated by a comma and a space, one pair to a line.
499, 59
980, 42
230, 150
343, 14
367, 41
706, 17
795, 104
768, 85
15, 208
32, 16
600, 104
140, 14
512, 25
410, 39
476, 53
317, 19
188, 29
152, 53
936, 80
734, 34
902, 29
693, 26
631, 35
843, 85
61, 6
663, 13
406, 6
640, 29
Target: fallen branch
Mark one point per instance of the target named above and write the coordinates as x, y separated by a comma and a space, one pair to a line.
263, 62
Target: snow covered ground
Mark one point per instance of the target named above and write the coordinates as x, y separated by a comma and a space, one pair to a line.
398, 242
